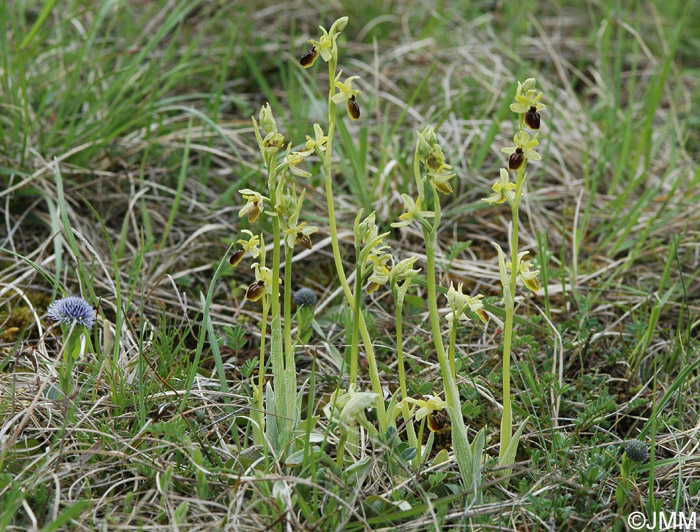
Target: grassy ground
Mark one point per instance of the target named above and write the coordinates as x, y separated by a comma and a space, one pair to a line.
124, 137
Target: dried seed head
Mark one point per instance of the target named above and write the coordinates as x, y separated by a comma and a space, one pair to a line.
532, 118
308, 59
353, 107
516, 159
237, 257
636, 451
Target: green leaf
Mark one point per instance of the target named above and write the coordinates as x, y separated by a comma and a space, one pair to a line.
508, 457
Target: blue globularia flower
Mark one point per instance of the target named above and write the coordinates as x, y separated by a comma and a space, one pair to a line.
305, 297
70, 309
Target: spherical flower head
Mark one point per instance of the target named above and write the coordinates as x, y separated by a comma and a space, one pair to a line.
305, 297
636, 451
72, 309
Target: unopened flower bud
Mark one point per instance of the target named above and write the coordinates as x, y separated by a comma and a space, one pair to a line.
338, 26
267, 121
528, 84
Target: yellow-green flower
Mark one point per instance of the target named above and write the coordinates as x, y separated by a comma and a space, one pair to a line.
526, 97
413, 211
250, 246
318, 142
459, 302
503, 189
530, 278
294, 159
526, 145
254, 204
323, 46
299, 234
442, 181
427, 406
262, 284
380, 271
326, 46
347, 94
348, 408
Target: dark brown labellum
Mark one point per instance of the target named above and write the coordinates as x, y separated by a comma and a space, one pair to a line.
445, 187
308, 58
532, 118
433, 162
303, 240
438, 420
237, 257
353, 108
255, 290
516, 159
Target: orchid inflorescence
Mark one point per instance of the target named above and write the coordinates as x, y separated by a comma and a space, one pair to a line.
375, 267
527, 106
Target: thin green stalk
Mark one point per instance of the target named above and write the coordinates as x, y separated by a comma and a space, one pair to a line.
410, 429
460, 438
258, 433
354, 348
341, 448
507, 418
366, 339
289, 348
452, 348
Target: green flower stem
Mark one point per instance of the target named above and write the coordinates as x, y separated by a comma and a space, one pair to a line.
452, 348
366, 340
341, 448
410, 429
258, 433
354, 348
460, 438
289, 348
283, 407
507, 418
421, 429
71, 350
